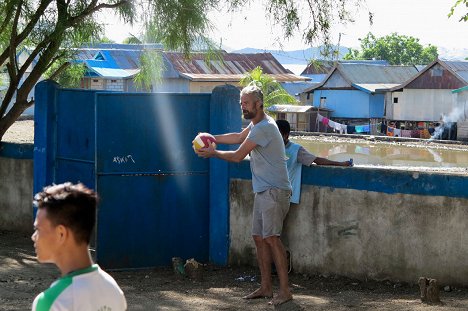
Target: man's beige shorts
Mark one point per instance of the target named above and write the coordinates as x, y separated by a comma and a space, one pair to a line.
270, 208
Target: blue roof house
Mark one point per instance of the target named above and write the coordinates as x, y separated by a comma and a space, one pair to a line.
356, 91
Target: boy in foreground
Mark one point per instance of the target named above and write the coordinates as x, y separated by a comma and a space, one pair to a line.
66, 215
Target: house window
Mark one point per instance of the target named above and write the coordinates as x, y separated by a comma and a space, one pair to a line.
95, 80
113, 81
323, 101
395, 100
99, 56
437, 72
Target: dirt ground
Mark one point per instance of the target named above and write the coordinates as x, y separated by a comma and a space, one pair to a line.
20, 132
221, 288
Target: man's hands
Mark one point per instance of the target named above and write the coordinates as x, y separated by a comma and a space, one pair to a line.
208, 152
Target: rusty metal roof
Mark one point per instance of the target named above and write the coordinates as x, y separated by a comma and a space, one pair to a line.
222, 66
228, 66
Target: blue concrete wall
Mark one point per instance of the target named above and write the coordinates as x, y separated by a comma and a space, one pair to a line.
351, 103
378, 180
376, 105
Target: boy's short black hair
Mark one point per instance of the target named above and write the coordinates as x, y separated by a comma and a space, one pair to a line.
70, 205
283, 126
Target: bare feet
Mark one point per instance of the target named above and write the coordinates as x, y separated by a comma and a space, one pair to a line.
259, 293
279, 300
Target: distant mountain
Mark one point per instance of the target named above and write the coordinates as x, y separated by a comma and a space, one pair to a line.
453, 54
301, 57
297, 57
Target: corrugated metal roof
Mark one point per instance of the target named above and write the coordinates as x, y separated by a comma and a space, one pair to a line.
297, 87
324, 66
361, 74
462, 89
115, 73
372, 87
228, 66
236, 77
458, 67
371, 74
290, 108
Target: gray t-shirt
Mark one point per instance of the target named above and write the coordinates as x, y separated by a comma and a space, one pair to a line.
268, 159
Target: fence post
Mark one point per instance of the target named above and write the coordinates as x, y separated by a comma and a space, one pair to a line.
225, 117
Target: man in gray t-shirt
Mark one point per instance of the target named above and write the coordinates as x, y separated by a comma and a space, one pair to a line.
271, 186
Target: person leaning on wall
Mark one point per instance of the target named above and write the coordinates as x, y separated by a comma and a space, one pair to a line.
297, 156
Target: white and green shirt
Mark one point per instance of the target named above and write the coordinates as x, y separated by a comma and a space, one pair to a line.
90, 289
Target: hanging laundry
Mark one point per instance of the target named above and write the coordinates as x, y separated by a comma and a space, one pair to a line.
405, 133
325, 121
319, 117
390, 131
415, 133
383, 129
344, 129
425, 134
397, 132
362, 128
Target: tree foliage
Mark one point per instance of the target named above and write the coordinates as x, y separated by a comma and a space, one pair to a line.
464, 17
46, 32
273, 92
396, 49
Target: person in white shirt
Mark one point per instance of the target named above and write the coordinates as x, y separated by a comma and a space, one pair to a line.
65, 218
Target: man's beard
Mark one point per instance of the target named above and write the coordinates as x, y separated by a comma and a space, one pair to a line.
249, 114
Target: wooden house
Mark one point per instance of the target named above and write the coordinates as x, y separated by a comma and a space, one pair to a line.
427, 97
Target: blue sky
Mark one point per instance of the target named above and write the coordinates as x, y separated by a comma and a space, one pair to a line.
423, 19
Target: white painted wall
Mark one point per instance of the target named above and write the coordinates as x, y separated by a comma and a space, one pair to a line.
420, 105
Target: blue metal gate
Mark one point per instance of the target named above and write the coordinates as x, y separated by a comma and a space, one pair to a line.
136, 151
154, 189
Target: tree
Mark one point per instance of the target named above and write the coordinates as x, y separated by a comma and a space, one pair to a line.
396, 49
457, 3
47, 31
273, 92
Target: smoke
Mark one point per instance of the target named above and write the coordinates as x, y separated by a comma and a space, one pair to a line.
448, 120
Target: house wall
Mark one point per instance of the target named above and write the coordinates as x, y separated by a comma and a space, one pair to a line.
376, 105
172, 85
344, 103
16, 187
97, 84
206, 87
421, 104
114, 85
366, 224
461, 102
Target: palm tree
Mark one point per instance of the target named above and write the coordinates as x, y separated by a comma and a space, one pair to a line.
273, 92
